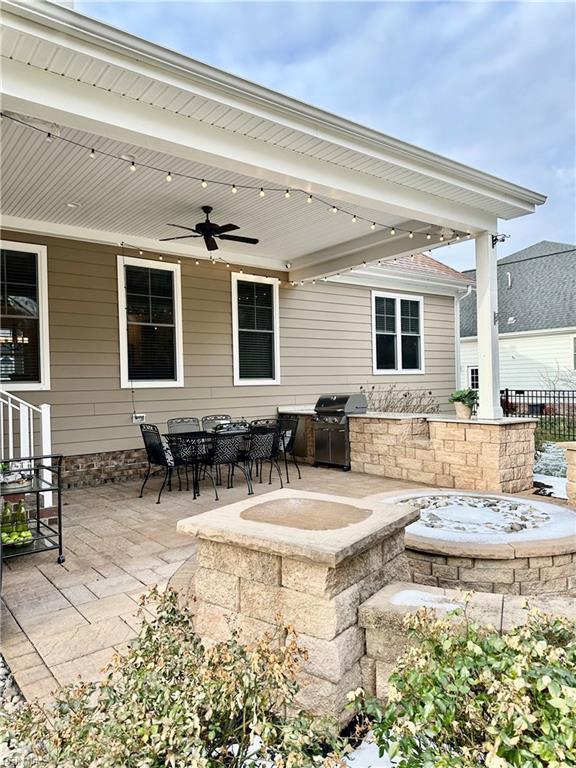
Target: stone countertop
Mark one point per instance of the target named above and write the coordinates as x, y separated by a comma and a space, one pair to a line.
308, 410
267, 524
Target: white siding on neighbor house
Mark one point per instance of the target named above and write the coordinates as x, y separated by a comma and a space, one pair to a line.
527, 361
325, 346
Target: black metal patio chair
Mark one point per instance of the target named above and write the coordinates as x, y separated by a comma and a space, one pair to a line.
212, 420
183, 424
288, 431
264, 446
158, 455
194, 452
229, 449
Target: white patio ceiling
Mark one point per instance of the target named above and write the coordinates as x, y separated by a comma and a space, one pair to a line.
133, 97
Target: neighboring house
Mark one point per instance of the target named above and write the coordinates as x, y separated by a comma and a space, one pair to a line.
334, 294
537, 320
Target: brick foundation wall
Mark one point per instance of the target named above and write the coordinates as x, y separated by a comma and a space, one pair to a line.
473, 456
100, 468
539, 575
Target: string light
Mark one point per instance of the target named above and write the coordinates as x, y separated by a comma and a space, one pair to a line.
50, 138
140, 252
197, 262
160, 258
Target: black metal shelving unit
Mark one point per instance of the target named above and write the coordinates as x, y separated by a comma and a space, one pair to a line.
44, 474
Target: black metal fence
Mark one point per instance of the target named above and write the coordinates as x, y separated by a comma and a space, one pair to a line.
555, 409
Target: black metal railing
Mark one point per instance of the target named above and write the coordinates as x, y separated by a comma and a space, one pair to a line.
555, 409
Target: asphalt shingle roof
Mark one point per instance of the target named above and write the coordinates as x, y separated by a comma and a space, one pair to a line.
536, 288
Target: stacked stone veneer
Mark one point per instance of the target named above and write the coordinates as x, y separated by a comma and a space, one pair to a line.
537, 575
256, 592
105, 467
448, 454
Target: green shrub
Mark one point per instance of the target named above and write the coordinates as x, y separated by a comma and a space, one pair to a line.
473, 697
171, 702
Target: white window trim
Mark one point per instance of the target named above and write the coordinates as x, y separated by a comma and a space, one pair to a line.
125, 382
275, 283
43, 336
469, 376
397, 371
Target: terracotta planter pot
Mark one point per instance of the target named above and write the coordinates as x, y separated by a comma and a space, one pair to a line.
463, 411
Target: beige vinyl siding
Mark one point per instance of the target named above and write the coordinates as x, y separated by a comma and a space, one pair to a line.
325, 346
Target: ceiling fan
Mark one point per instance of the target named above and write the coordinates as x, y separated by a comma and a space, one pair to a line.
210, 232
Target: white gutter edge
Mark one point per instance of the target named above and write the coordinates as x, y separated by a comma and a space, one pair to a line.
539, 332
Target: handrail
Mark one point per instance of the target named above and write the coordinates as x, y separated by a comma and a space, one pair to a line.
7, 396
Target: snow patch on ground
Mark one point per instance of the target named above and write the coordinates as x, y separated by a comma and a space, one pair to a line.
415, 598
551, 461
558, 485
366, 756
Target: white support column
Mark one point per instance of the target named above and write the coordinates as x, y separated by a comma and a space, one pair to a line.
487, 318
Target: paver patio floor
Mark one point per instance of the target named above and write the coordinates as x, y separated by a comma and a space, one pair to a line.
60, 622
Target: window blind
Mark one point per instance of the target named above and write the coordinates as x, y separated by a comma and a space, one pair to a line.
255, 330
150, 324
19, 317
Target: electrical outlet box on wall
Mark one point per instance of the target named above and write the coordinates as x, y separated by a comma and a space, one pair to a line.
138, 418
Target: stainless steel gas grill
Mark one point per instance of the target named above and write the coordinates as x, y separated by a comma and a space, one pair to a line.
331, 436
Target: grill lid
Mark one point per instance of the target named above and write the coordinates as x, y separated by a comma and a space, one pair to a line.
342, 404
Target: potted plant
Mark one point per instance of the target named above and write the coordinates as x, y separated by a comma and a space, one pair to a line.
464, 401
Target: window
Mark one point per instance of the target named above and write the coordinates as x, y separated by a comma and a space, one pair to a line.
24, 345
397, 334
473, 378
150, 313
255, 345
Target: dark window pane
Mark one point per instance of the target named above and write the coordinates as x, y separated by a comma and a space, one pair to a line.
245, 292
138, 308
162, 310
385, 314
18, 283
410, 316
151, 353
256, 354
246, 317
264, 319
263, 294
19, 349
161, 283
411, 352
385, 352
21, 300
137, 280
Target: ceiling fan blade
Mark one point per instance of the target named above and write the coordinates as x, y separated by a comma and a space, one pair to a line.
239, 239
211, 244
180, 237
181, 227
227, 228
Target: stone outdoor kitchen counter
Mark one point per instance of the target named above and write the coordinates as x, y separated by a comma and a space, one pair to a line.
286, 526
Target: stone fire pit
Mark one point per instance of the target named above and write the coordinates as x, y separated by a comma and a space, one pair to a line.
303, 559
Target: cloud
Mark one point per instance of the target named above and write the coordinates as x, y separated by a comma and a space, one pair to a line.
490, 84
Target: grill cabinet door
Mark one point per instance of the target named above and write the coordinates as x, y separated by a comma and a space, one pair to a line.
322, 444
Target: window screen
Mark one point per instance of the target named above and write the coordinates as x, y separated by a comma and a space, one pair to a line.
150, 324
20, 320
255, 330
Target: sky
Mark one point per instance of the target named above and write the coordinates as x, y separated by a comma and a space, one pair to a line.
490, 84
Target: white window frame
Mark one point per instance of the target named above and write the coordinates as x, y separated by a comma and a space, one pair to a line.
125, 381
275, 283
399, 371
41, 252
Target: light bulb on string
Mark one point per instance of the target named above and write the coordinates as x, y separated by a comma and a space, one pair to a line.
287, 194
373, 226
262, 193
132, 166
313, 282
441, 237
160, 258
395, 261
48, 138
140, 252
334, 209
228, 266
392, 231
92, 154
203, 183
197, 262
457, 237
411, 235
234, 189
325, 279
428, 236
168, 176
309, 199
354, 219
